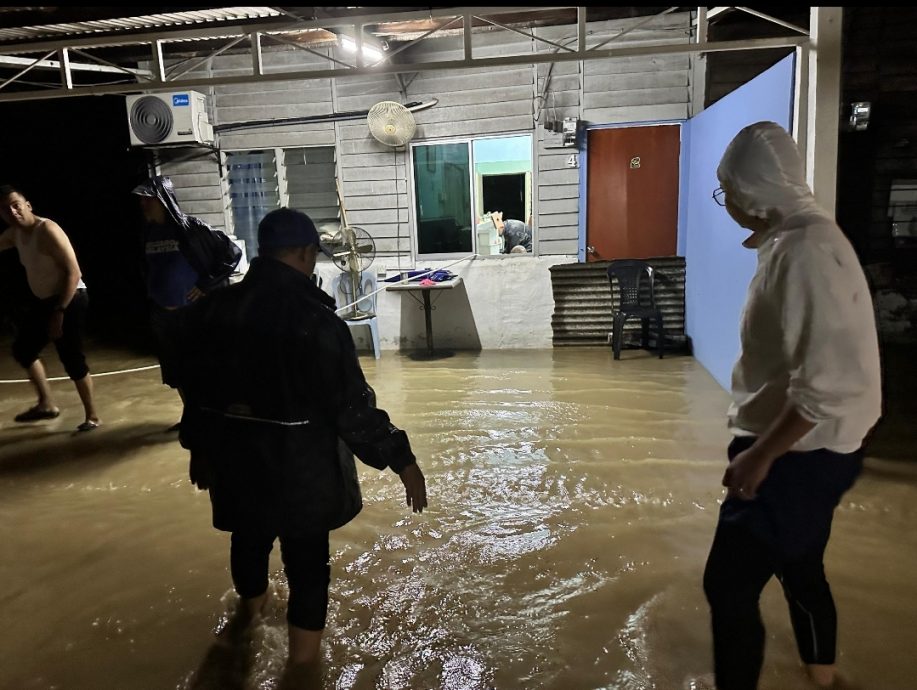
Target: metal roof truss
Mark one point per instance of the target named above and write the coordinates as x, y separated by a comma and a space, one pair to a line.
157, 79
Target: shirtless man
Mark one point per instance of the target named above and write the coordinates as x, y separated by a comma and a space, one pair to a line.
55, 279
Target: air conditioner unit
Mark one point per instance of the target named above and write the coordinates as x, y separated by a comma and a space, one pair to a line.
163, 119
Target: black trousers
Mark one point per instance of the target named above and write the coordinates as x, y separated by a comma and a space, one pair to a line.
165, 350
783, 532
305, 562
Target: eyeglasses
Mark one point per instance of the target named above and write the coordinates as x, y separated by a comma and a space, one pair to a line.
719, 196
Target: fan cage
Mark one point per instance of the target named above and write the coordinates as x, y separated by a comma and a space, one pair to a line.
151, 120
391, 123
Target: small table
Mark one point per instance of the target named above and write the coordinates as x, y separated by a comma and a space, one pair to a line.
427, 306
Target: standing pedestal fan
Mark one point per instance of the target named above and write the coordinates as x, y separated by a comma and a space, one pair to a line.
353, 250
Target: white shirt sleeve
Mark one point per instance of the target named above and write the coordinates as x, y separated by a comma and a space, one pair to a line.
830, 342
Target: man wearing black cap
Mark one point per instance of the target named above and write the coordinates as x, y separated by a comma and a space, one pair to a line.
275, 401
185, 259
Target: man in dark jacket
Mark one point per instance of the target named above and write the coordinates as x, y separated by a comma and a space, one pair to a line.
275, 400
185, 258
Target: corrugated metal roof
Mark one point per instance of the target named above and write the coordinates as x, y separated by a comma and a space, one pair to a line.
149, 21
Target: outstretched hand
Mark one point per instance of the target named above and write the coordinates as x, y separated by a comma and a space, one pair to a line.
415, 487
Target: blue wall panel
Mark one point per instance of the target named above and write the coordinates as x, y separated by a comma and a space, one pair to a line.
719, 268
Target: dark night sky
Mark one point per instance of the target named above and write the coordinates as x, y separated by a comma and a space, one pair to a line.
72, 159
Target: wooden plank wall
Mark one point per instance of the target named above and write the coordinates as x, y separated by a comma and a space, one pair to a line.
472, 102
727, 71
373, 175
558, 185
197, 183
617, 90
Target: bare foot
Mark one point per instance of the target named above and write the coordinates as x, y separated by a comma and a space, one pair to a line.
822, 675
240, 621
825, 676
302, 677
254, 607
305, 646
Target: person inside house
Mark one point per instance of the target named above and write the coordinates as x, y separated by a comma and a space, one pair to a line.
805, 394
515, 234
58, 312
274, 441
185, 259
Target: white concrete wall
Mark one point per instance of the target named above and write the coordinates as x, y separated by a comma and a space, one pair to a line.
501, 304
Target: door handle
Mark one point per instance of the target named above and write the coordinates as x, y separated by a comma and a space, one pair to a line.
590, 249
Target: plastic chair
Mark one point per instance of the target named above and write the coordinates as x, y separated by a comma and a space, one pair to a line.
630, 275
342, 288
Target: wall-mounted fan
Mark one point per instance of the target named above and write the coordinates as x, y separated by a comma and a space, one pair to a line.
391, 123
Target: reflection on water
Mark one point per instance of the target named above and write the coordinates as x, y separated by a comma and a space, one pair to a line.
573, 502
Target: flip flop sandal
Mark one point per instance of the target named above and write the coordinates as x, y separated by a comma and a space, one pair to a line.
34, 414
88, 426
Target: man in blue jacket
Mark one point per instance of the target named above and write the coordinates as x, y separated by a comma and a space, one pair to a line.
275, 401
185, 259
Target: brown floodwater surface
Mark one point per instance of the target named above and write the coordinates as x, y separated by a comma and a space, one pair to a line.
572, 504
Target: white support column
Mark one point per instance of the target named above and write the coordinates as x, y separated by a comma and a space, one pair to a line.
228, 221
257, 59
581, 29
66, 76
358, 40
159, 69
825, 25
801, 99
698, 63
283, 191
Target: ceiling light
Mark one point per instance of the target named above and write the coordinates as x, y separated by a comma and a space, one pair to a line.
350, 46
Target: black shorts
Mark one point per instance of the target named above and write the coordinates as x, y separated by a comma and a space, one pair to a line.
32, 334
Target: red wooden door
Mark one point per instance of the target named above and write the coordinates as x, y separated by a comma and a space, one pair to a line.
632, 192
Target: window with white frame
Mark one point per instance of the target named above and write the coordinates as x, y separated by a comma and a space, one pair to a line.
473, 196
261, 180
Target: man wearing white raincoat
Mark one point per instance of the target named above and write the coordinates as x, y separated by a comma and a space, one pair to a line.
806, 391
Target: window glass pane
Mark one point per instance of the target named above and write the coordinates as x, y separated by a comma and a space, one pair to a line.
503, 194
310, 175
442, 190
253, 192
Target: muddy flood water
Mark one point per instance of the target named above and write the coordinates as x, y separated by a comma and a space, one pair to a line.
572, 504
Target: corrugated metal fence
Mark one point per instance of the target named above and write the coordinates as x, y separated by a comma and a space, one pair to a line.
584, 300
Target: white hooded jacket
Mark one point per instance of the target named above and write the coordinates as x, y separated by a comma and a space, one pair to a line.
808, 331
